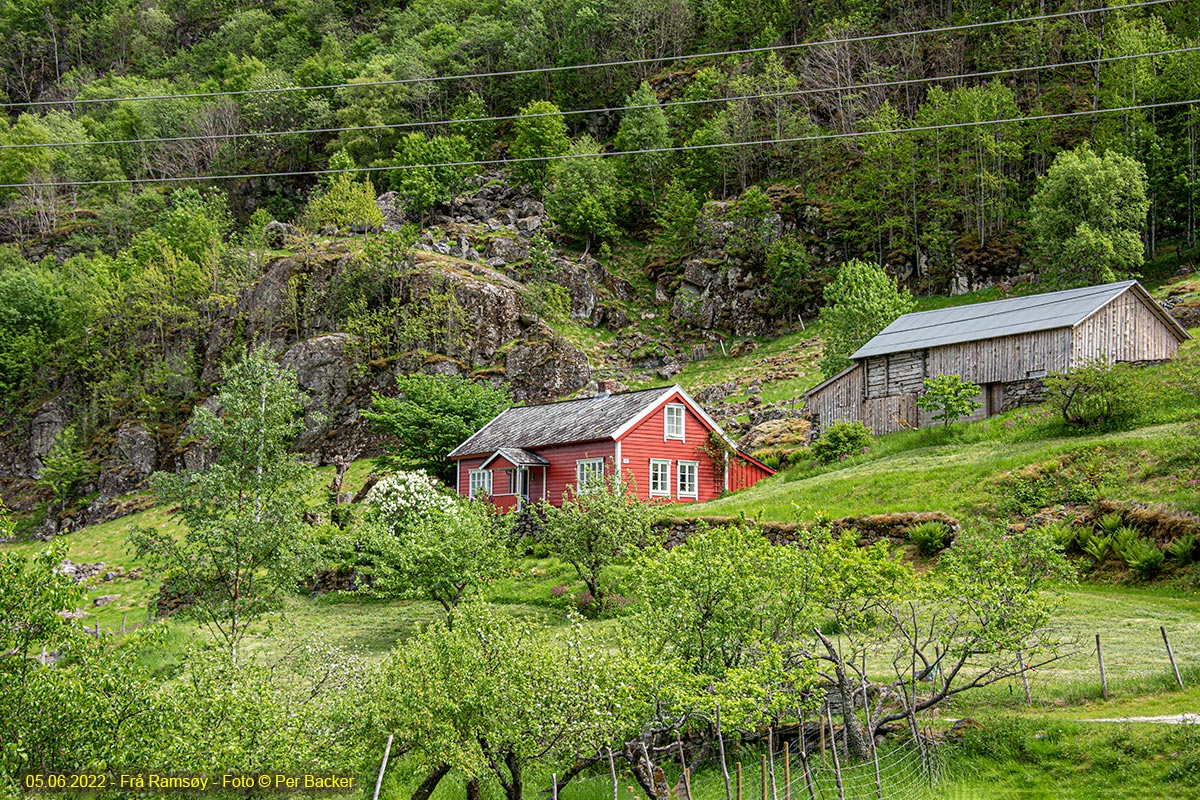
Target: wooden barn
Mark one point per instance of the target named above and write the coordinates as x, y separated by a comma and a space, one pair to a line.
1004, 346
659, 439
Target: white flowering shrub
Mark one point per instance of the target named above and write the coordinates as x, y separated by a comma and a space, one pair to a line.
423, 542
406, 499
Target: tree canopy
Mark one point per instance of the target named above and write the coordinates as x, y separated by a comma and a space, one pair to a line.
1088, 215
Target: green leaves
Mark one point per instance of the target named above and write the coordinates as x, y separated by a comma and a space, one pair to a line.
949, 397
585, 198
1087, 217
424, 543
432, 415
593, 529
539, 132
862, 300
426, 179
244, 539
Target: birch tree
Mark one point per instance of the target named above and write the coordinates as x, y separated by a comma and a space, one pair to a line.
243, 537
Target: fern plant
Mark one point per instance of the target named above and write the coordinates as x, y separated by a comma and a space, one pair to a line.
1184, 549
1097, 546
930, 537
1144, 558
1111, 522
1126, 543
1063, 534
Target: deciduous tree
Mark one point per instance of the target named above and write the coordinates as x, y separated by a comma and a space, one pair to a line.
244, 539
861, 301
1087, 217
430, 416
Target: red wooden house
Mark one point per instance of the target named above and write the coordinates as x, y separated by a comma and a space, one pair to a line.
660, 439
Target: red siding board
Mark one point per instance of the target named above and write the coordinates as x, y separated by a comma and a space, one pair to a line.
562, 458
648, 440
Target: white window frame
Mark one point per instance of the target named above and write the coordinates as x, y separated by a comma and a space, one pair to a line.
694, 468
674, 409
589, 474
479, 481
665, 489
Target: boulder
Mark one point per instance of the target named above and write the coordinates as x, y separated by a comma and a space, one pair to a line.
133, 457
506, 251
325, 373
48, 422
541, 370
279, 234
391, 205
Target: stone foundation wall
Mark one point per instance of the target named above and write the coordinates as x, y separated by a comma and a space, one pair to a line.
1023, 393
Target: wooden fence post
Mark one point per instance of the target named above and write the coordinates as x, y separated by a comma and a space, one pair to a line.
1170, 655
1024, 679
387, 751
739, 780
1103, 676
721, 745
787, 771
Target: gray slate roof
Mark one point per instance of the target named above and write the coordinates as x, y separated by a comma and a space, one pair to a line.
559, 423
522, 458
1039, 312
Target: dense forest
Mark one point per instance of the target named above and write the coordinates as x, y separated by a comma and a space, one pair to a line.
146, 145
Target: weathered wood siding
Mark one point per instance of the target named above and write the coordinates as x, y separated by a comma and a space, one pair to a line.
1124, 330
891, 414
1005, 359
895, 373
839, 401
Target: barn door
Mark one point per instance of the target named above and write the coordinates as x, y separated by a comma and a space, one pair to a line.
993, 398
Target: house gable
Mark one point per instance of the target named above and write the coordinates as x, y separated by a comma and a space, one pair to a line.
637, 432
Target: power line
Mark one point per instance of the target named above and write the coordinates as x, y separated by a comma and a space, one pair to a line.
596, 65
610, 109
568, 156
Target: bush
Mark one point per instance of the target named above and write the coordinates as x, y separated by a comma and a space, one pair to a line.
1183, 550
930, 537
1095, 393
345, 205
949, 397
1063, 534
1095, 545
1110, 523
842, 440
1144, 558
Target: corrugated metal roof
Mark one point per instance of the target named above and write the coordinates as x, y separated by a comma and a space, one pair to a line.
560, 423
971, 323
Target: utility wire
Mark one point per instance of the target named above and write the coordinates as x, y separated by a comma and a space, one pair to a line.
597, 65
568, 156
610, 109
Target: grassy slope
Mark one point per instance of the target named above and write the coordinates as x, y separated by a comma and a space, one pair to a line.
960, 471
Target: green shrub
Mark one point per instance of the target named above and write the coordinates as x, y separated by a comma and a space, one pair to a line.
1095, 393
1063, 534
1095, 545
842, 440
949, 397
1111, 522
1125, 542
1144, 558
1183, 550
930, 537
344, 205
